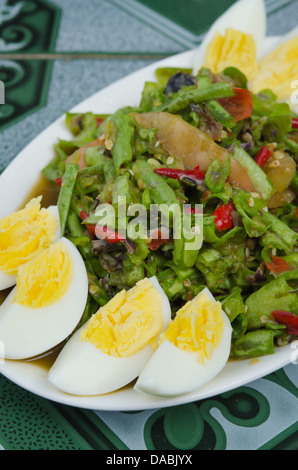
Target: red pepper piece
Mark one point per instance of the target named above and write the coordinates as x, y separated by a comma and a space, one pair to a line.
294, 123
108, 234
99, 121
278, 265
288, 319
101, 231
168, 172
174, 173
240, 106
193, 210
83, 215
223, 216
89, 227
58, 181
195, 173
263, 156
157, 240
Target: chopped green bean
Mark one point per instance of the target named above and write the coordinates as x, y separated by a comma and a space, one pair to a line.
255, 344
122, 148
78, 235
97, 291
90, 309
94, 156
97, 169
109, 169
160, 191
66, 192
184, 98
121, 189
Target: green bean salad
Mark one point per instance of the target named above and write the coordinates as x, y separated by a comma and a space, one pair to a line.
200, 142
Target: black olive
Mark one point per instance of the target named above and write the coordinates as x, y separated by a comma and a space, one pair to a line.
177, 81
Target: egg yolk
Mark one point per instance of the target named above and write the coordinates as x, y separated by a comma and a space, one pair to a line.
24, 234
197, 327
127, 322
278, 70
233, 49
44, 279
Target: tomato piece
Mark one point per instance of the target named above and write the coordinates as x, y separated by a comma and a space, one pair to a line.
223, 219
83, 215
288, 319
58, 181
108, 234
240, 105
103, 232
157, 240
263, 156
278, 265
89, 227
99, 121
78, 155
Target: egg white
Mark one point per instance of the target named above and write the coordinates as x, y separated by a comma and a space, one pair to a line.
172, 371
9, 280
82, 369
29, 332
248, 16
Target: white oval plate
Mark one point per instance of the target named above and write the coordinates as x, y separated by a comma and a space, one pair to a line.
17, 181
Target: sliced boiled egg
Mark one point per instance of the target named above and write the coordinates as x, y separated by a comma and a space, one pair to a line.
110, 350
192, 351
241, 27
278, 70
232, 49
47, 303
24, 234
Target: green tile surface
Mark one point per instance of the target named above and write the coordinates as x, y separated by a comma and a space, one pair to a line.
46, 68
190, 14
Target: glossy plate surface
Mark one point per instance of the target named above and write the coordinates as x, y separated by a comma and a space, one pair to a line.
17, 181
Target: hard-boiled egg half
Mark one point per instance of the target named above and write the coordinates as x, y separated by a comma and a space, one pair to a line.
111, 349
278, 70
192, 351
24, 234
47, 303
236, 38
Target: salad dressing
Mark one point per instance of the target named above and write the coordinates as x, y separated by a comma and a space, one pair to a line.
46, 360
3, 295
45, 188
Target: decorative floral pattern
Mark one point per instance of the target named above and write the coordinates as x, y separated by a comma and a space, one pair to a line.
25, 27
192, 426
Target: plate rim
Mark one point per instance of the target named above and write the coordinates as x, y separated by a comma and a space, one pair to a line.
7, 368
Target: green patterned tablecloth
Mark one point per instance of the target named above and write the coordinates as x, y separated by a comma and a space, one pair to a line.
53, 54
